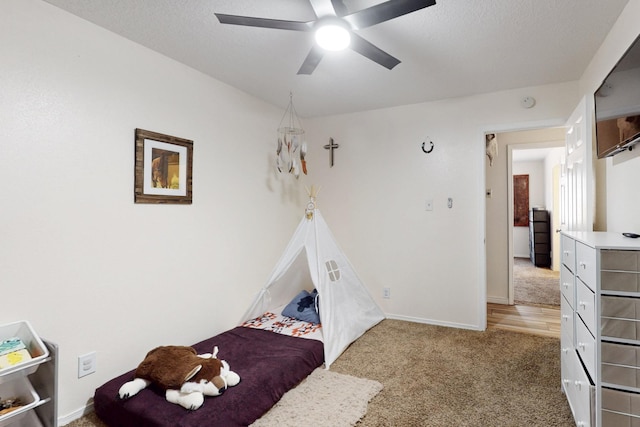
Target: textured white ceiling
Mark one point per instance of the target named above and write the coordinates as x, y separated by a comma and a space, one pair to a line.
455, 48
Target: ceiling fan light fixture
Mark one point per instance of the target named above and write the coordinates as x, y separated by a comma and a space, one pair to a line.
333, 36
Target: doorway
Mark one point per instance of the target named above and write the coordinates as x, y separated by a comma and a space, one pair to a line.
535, 278
537, 153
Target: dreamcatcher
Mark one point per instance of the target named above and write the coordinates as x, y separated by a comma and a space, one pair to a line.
292, 148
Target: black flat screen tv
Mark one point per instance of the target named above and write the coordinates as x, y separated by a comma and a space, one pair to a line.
617, 106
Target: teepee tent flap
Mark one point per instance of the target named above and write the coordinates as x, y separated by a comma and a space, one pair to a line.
313, 259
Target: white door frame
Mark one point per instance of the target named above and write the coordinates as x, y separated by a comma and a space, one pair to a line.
498, 128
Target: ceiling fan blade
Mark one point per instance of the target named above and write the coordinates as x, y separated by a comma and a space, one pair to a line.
263, 22
385, 11
374, 53
323, 8
312, 60
339, 7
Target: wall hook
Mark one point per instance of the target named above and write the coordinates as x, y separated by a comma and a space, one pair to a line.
430, 149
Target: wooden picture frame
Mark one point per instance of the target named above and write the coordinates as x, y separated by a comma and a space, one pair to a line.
163, 168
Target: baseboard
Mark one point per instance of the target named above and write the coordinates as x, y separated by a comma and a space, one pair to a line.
78, 413
498, 300
433, 322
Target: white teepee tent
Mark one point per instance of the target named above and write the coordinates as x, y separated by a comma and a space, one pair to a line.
313, 259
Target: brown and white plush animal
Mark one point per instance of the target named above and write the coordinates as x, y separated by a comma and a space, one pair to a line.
185, 375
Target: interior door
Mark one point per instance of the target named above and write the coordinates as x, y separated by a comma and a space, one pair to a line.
576, 180
555, 219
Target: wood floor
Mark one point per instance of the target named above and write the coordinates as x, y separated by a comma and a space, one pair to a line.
536, 320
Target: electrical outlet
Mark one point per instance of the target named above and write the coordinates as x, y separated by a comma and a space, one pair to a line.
386, 293
86, 364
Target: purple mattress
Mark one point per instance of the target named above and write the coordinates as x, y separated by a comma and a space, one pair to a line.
269, 365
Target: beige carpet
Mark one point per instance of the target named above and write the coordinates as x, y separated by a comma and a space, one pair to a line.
534, 285
324, 398
437, 376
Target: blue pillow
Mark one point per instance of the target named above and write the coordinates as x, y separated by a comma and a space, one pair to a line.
303, 307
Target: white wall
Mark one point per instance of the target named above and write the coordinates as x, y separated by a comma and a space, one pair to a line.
618, 198
91, 270
374, 196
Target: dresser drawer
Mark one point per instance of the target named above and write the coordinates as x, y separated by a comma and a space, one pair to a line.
586, 305
541, 248
568, 252
618, 328
619, 408
584, 398
615, 375
566, 321
619, 260
586, 347
539, 227
620, 365
540, 237
538, 215
620, 354
620, 281
579, 390
568, 364
567, 284
620, 307
620, 317
586, 264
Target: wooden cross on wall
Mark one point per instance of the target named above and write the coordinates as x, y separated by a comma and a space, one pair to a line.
331, 146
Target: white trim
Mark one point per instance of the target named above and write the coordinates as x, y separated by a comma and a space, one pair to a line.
482, 248
498, 300
77, 414
534, 125
497, 129
435, 322
510, 289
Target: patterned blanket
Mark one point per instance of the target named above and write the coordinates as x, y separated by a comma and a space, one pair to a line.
286, 326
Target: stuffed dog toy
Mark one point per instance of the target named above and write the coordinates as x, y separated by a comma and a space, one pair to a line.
185, 375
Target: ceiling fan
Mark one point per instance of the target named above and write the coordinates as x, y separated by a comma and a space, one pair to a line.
332, 15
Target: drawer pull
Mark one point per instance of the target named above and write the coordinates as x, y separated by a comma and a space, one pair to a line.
583, 304
565, 317
565, 285
565, 350
578, 385
582, 345
583, 264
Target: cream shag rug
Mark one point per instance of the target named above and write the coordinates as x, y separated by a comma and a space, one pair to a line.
324, 398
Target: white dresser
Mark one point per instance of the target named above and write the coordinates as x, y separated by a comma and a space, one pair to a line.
600, 334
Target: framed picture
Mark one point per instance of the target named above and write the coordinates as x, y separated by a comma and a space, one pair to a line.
163, 168
520, 200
